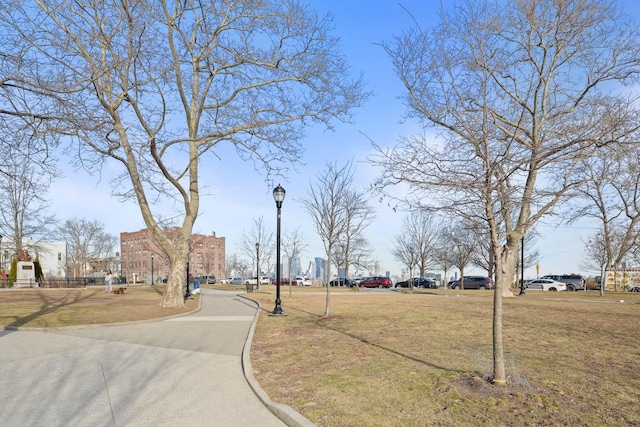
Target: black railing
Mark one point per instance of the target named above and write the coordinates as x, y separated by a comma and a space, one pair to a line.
53, 282
61, 282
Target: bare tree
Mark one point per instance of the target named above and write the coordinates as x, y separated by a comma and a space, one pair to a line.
595, 252
416, 245
611, 194
352, 252
24, 208
243, 267
86, 241
353, 245
325, 203
293, 244
230, 265
462, 243
155, 87
22, 121
405, 252
443, 255
264, 238
513, 91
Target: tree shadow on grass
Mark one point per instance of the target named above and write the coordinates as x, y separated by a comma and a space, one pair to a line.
50, 302
319, 322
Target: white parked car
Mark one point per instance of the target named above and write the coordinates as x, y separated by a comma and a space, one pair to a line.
264, 280
302, 281
545, 285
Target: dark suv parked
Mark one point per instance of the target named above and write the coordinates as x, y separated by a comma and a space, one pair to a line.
575, 282
417, 282
208, 280
473, 282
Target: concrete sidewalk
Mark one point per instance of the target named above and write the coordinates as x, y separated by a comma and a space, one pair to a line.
184, 371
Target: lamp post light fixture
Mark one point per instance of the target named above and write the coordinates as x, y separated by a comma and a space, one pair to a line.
151, 269
278, 196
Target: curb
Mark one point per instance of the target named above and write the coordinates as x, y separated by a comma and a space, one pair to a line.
285, 413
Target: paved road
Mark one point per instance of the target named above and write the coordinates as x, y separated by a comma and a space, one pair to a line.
183, 371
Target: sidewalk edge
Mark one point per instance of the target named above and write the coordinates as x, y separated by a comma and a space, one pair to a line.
285, 413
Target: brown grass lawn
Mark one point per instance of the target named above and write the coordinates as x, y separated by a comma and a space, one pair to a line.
422, 358
47, 308
411, 359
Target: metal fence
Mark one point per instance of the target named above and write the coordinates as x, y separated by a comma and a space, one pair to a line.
54, 282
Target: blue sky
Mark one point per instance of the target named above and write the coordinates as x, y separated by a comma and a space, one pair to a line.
238, 193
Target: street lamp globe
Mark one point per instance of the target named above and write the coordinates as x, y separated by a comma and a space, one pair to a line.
278, 195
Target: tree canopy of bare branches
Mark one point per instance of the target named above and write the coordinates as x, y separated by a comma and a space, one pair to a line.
262, 236
24, 185
293, 244
416, 246
86, 241
155, 87
610, 193
518, 94
329, 202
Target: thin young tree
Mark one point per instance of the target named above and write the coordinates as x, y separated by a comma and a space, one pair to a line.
443, 255
260, 234
353, 242
462, 243
516, 94
293, 244
404, 252
416, 245
326, 204
154, 88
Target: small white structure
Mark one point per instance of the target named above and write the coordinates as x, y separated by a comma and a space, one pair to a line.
26, 274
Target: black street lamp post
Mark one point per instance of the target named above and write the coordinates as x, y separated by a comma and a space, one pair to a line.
187, 294
151, 269
278, 195
522, 293
258, 266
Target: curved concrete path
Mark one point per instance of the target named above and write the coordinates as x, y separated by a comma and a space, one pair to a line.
182, 371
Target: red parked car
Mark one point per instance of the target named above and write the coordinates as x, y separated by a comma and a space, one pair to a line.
376, 282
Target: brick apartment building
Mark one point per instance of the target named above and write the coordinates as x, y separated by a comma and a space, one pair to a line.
207, 256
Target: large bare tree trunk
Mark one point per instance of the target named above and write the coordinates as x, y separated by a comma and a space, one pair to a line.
176, 286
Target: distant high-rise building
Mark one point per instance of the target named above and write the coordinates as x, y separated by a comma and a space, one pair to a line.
321, 268
295, 266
